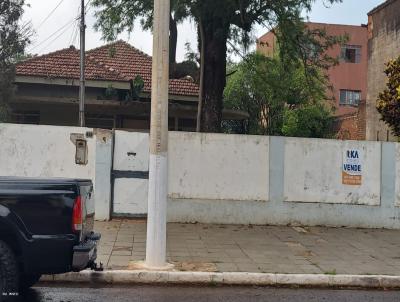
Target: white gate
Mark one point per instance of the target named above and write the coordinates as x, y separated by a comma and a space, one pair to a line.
130, 173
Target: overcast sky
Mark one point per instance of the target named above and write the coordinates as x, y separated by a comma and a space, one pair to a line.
59, 30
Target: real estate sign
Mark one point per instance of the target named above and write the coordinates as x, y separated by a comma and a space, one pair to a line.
352, 167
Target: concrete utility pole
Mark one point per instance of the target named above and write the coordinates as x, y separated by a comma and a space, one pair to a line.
158, 165
82, 59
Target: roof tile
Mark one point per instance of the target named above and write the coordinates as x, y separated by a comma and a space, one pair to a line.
118, 61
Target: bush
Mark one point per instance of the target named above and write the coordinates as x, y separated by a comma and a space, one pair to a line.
308, 121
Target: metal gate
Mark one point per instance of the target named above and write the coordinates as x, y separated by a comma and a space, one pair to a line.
130, 173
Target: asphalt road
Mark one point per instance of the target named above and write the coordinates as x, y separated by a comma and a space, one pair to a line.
206, 294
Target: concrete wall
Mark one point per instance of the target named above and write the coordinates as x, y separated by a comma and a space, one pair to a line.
216, 178
48, 151
317, 175
305, 186
218, 167
43, 151
236, 179
383, 45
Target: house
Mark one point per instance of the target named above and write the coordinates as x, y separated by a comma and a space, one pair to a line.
383, 45
348, 79
118, 90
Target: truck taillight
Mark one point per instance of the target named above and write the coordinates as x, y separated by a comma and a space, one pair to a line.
77, 215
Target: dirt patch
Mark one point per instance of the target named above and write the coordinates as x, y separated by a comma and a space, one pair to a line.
180, 266
195, 266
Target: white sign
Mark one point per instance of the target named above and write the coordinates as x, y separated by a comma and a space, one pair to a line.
352, 167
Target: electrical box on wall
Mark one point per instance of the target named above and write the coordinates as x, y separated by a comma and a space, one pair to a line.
81, 154
81, 147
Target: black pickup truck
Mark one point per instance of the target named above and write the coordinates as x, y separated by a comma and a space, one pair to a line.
46, 227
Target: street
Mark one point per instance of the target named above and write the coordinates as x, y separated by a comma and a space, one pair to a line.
209, 294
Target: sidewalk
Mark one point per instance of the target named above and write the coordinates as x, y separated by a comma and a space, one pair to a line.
256, 249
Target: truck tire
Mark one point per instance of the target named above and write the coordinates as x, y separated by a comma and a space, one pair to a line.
28, 280
9, 273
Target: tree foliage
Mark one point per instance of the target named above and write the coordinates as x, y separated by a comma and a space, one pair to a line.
280, 99
256, 86
309, 120
114, 17
388, 103
220, 21
13, 39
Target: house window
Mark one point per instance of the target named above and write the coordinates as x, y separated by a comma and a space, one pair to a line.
26, 117
351, 53
350, 97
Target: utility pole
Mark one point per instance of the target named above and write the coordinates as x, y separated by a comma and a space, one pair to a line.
82, 61
158, 164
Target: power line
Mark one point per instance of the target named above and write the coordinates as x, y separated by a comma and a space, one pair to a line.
72, 33
75, 36
53, 34
52, 41
75, 30
63, 28
49, 15
87, 4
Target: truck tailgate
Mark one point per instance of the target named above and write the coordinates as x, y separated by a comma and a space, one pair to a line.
86, 192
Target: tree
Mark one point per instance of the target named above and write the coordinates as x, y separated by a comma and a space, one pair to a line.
255, 86
280, 99
114, 17
309, 120
223, 20
13, 39
388, 103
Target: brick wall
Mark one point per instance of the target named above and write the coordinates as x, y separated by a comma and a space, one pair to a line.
347, 127
352, 126
383, 45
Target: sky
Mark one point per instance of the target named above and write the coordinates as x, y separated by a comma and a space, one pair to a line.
55, 25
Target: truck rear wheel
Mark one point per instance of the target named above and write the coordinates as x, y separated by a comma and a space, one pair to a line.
9, 273
28, 280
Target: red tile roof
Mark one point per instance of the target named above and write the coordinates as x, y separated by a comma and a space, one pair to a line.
118, 61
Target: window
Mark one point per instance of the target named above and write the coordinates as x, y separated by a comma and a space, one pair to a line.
350, 97
26, 117
351, 53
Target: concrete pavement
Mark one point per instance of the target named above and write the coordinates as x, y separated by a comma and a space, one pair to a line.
256, 249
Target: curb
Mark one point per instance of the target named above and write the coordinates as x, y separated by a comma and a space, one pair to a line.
124, 277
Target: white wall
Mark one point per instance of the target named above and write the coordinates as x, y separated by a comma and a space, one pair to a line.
215, 178
43, 151
218, 167
397, 182
48, 151
313, 172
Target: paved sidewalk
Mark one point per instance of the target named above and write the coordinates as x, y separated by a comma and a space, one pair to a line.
260, 249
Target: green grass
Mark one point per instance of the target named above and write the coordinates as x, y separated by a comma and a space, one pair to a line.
332, 272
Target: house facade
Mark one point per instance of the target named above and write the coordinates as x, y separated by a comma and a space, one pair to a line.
118, 91
348, 79
383, 46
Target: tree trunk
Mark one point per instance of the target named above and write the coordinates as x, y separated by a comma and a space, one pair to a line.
215, 38
173, 40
